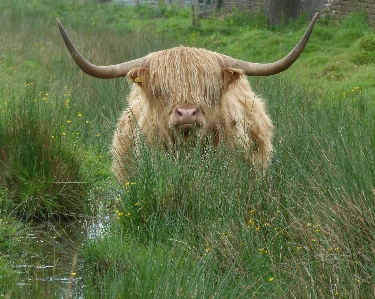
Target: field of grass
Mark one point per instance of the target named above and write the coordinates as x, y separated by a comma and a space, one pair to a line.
189, 227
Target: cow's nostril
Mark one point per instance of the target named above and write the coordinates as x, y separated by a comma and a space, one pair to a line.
186, 112
186, 115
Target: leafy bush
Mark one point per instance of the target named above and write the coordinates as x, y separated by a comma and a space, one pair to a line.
364, 50
367, 43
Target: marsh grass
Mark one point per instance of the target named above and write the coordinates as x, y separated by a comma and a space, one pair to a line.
40, 166
53, 130
303, 230
296, 232
12, 233
195, 223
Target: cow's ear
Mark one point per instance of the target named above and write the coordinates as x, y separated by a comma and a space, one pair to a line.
139, 75
230, 76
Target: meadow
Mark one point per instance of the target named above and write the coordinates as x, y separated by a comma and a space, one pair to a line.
188, 227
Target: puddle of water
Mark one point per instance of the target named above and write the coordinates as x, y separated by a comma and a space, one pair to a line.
51, 261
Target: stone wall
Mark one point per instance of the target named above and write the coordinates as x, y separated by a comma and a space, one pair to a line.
277, 10
341, 8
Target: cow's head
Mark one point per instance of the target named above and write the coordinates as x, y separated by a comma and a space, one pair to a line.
183, 87
188, 83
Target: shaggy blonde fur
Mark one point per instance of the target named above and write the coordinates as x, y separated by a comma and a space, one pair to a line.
229, 109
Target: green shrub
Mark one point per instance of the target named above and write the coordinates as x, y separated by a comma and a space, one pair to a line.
364, 50
367, 43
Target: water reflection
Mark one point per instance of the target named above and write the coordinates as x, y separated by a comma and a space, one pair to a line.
48, 261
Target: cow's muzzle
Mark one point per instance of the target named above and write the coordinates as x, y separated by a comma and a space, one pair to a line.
186, 116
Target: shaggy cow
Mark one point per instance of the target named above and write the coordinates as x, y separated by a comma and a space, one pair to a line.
183, 92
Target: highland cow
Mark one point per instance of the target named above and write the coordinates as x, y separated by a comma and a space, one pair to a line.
183, 92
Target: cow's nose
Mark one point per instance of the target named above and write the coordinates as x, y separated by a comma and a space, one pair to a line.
186, 115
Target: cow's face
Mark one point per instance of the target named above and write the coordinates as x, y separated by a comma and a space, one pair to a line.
185, 89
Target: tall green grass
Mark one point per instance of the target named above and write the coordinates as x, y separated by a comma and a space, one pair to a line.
40, 161
12, 234
195, 223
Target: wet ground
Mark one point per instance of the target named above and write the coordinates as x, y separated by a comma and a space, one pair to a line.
52, 262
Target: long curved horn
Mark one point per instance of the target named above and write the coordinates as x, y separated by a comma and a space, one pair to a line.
267, 69
103, 72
